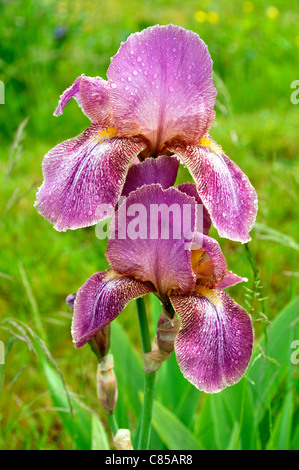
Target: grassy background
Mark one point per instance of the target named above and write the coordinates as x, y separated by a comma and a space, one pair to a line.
44, 46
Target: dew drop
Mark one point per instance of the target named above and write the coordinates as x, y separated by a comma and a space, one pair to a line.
129, 79
139, 59
135, 72
113, 85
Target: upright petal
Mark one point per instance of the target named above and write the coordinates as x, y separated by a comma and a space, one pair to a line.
100, 300
224, 189
162, 170
214, 345
91, 93
84, 177
160, 85
153, 230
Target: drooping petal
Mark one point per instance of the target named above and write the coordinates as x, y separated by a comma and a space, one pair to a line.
100, 300
224, 189
160, 85
154, 245
231, 279
84, 177
91, 93
214, 345
190, 189
162, 170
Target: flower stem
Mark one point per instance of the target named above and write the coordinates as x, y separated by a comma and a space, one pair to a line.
112, 423
149, 379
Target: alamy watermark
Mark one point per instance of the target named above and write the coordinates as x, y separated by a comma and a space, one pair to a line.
295, 95
2, 353
295, 354
2, 93
152, 222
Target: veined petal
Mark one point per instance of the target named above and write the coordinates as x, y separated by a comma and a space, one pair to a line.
160, 85
100, 300
190, 189
214, 345
151, 230
162, 170
224, 189
84, 177
91, 93
231, 279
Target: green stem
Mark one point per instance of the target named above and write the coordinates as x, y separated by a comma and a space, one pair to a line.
112, 423
149, 379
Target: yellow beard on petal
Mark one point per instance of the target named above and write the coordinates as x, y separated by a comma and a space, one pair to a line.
105, 134
210, 294
111, 275
207, 141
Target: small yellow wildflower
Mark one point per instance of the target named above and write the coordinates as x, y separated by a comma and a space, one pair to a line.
248, 6
213, 17
272, 12
200, 16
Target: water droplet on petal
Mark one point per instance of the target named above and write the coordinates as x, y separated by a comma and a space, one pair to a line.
135, 72
139, 59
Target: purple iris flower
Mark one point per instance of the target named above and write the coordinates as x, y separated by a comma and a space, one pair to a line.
214, 344
159, 100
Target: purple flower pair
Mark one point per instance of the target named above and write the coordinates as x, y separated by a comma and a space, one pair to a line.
157, 105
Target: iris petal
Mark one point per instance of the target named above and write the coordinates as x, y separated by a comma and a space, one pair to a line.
160, 86
84, 177
100, 300
91, 93
214, 345
224, 189
190, 189
150, 244
162, 170
231, 279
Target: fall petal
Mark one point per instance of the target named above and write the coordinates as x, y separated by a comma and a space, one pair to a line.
84, 177
225, 190
100, 300
214, 345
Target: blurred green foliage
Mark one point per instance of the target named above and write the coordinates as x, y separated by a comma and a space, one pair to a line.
44, 46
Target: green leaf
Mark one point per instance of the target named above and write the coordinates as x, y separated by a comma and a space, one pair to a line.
129, 374
98, 434
174, 434
280, 439
268, 373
